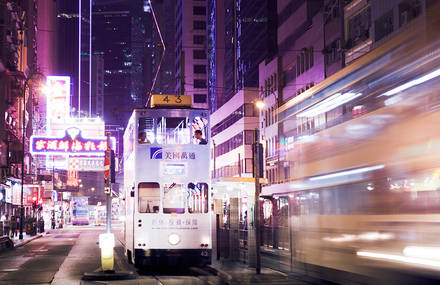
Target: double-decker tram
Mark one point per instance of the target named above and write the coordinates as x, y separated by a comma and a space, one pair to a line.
166, 181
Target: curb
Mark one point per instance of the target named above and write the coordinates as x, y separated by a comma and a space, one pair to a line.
18, 244
224, 276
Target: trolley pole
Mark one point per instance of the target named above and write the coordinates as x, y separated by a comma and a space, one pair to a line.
256, 149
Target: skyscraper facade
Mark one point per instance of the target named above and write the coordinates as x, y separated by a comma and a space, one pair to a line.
191, 51
246, 32
74, 51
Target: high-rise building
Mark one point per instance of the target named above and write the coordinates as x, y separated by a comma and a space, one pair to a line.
97, 109
74, 51
216, 52
191, 51
241, 35
120, 36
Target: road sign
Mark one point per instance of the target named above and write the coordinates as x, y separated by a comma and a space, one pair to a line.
106, 167
107, 190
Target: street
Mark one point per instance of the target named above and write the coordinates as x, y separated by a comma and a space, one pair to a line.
63, 255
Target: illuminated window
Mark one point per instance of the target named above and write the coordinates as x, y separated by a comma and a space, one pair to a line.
146, 130
173, 130
149, 197
197, 198
173, 198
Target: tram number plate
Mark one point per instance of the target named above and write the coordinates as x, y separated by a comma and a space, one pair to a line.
170, 100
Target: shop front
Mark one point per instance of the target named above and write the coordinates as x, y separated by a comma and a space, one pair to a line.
234, 229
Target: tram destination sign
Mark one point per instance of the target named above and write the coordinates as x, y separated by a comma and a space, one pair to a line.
170, 100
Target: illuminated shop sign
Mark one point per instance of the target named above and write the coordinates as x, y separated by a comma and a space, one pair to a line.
57, 91
72, 143
86, 163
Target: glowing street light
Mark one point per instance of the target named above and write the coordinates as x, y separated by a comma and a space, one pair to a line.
260, 104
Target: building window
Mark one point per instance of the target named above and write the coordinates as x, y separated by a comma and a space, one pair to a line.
248, 165
384, 25
248, 137
198, 39
199, 10
199, 83
200, 68
199, 25
199, 54
199, 98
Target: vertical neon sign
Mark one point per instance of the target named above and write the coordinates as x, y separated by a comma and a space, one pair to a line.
58, 98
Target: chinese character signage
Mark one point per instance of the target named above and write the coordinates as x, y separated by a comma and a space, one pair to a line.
72, 143
159, 153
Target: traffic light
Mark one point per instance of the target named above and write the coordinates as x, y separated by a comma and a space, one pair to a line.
34, 202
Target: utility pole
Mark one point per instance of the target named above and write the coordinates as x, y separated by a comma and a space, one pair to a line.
108, 191
256, 154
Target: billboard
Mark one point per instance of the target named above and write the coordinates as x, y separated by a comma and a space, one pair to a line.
57, 91
72, 143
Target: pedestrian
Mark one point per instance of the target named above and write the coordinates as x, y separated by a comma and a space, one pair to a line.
53, 223
41, 224
6, 224
13, 226
199, 136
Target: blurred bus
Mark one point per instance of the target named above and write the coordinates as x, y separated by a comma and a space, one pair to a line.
80, 210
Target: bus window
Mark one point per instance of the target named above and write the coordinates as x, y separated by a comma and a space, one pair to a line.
173, 198
197, 197
173, 130
149, 197
146, 130
199, 128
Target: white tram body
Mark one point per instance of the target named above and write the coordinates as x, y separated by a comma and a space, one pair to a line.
166, 181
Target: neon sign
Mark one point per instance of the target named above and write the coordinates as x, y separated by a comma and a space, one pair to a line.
71, 144
58, 97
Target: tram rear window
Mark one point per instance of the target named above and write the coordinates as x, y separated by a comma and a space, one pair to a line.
173, 198
149, 197
197, 198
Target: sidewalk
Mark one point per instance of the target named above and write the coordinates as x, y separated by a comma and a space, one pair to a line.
26, 239
234, 273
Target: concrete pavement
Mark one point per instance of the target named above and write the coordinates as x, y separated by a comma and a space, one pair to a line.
62, 256
233, 273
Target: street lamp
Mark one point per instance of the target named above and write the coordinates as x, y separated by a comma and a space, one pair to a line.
260, 104
257, 152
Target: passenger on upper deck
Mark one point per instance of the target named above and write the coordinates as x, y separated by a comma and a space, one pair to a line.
142, 138
198, 135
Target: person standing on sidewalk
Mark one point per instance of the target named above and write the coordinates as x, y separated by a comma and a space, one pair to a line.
13, 226
6, 224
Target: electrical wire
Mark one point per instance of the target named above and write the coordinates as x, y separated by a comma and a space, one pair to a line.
163, 54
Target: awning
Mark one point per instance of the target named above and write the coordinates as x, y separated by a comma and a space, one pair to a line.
4, 186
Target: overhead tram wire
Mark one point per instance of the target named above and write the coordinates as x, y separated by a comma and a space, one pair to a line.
163, 54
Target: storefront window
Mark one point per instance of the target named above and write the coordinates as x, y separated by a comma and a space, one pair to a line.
149, 197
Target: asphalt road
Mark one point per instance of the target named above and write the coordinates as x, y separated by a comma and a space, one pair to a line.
62, 257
